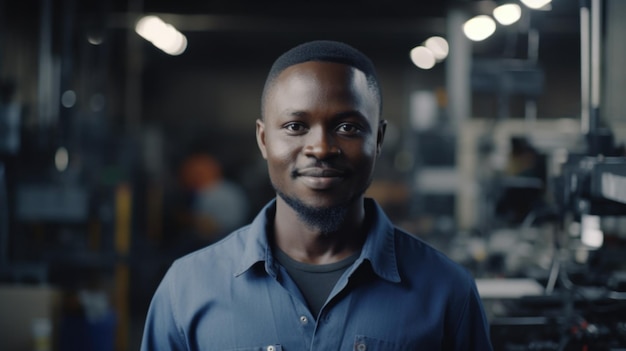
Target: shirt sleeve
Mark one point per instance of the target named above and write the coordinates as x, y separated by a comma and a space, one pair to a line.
472, 331
161, 331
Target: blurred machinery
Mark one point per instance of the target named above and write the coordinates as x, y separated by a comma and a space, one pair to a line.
65, 189
580, 301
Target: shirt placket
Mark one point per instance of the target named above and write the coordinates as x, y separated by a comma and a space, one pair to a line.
330, 326
300, 312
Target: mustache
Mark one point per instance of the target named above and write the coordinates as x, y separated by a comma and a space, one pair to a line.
320, 169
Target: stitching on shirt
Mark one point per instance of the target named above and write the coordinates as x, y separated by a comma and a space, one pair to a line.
181, 332
463, 312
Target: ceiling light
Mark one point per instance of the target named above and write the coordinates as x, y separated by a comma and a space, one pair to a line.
479, 28
438, 46
507, 14
163, 35
536, 4
422, 57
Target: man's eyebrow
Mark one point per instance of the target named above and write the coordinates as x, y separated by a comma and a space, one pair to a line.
301, 114
351, 113
294, 113
364, 120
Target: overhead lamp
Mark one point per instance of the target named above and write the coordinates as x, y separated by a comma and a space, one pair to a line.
479, 28
162, 35
438, 46
507, 14
536, 4
422, 57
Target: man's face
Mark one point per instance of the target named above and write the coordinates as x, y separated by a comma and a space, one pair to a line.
320, 133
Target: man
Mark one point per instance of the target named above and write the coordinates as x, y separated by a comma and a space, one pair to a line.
321, 267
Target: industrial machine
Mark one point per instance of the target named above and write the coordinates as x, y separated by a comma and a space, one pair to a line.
581, 303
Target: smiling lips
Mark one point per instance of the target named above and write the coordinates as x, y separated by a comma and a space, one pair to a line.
319, 178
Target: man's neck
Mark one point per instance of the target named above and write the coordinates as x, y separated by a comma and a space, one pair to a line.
308, 244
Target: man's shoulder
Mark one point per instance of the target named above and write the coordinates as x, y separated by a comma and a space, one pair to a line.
226, 250
406, 240
417, 253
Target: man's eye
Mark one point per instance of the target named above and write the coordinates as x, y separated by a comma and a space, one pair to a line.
347, 128
294, 127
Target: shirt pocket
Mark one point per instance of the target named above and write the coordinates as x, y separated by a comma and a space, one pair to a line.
366, 343
274, 347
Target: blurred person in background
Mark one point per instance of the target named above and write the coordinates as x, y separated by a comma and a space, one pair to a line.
216, 205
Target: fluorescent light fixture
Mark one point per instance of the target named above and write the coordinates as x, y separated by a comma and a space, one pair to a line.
422, 57
536, 4
479, 27
507, 14
438, 46
162, 35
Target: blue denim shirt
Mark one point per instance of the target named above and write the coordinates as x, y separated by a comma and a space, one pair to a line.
400, 294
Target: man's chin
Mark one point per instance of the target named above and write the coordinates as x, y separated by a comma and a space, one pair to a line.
326, 217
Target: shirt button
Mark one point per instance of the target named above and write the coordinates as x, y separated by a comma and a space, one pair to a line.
361, 347
304, 320
271, 348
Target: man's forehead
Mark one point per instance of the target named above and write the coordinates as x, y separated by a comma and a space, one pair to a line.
327, 76
328, 80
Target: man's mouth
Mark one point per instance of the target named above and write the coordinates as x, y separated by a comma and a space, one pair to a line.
319, 172
320, 178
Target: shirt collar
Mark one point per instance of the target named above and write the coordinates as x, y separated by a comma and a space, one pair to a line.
379, 248
257, 248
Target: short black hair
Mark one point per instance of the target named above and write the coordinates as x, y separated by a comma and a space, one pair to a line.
324, 51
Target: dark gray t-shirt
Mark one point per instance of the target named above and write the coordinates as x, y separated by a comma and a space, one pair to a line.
315, 281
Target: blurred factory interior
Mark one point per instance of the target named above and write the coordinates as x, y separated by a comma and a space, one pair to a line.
506, 152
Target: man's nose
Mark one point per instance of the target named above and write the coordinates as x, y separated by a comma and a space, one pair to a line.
321, 144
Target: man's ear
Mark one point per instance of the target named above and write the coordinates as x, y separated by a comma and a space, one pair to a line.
260, 137
382, 128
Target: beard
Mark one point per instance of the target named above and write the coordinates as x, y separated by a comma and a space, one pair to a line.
325, 219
